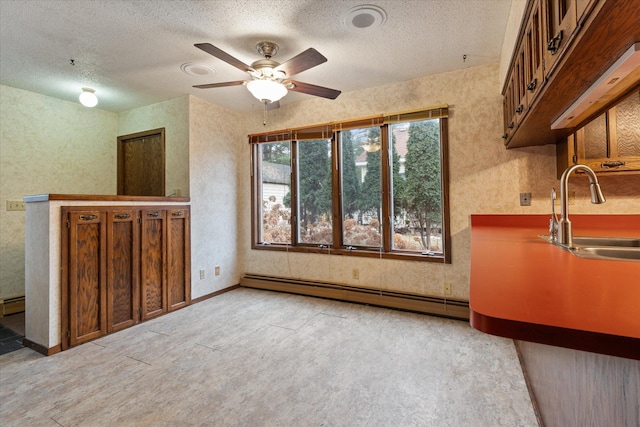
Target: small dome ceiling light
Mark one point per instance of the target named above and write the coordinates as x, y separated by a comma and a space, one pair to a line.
88, 97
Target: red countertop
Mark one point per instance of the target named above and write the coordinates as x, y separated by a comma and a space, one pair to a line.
525, 288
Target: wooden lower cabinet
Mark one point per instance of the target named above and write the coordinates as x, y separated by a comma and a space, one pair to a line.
86, 276
121, 266
153, 263
123, 241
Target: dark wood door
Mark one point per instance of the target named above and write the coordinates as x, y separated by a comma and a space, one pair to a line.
153, 237
178, 258
123, 249
87, 289
141, 164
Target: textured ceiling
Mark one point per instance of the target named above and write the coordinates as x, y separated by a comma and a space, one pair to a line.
130, 51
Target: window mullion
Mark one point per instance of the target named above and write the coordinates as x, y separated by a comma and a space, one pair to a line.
295, 211
386, 190
336, 190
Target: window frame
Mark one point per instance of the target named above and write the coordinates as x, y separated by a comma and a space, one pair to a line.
333, 131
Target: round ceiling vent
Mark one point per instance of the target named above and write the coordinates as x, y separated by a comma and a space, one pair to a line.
194, 69
364, 17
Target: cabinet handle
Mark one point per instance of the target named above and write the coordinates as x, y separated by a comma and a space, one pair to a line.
122, 216
88, 217
532, 86
178, 213
505, 135
511, 125
613, 164
154, 214
520, 109
554, 43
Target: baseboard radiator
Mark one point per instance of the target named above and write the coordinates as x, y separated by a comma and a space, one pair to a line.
11, 305
452, 308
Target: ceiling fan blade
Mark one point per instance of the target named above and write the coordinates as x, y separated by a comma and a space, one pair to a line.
220, 54
303, 61
310, 89
223, 84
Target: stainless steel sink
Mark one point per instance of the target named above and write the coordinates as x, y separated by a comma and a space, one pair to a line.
605, 248
608, 252
624, 242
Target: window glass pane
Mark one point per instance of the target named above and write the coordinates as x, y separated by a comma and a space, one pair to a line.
314, 192
417, 186
275, 180
361, 187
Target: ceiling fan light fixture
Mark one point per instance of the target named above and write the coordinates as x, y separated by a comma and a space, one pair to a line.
267, 90
88, 97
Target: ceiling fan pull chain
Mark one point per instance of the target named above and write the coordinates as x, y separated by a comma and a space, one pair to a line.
264, 114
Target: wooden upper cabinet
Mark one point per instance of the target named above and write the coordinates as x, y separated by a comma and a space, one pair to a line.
609, 143
534, 48
560, 24
563, 48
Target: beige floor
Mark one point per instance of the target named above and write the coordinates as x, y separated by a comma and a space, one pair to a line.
259, 358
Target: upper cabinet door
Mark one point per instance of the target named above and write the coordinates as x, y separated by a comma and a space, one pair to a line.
561, 22
534, 42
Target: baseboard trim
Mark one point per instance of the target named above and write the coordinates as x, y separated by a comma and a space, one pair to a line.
443, 307
214, 294
40, 348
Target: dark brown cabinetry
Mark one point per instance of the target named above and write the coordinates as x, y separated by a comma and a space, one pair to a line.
121, 266
563, 48
608, 143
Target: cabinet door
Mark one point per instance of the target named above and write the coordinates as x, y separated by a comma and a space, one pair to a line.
87, 290
611, 141
153, 237
178, 258
123, 248
561, 21
534, 52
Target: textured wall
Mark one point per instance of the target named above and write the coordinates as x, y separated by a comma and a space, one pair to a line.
47, 146
215, 165
484, 178
173, 116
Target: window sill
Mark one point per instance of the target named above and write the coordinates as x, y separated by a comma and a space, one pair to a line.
365, 253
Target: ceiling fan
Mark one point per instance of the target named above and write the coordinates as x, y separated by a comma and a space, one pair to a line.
270, 80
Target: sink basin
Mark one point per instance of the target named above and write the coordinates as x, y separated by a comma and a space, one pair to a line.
606, 248
608, 252
624, 242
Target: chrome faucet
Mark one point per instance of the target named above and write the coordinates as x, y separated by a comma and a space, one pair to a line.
553, 222
565, 232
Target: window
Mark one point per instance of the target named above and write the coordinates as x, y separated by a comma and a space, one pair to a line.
365, 187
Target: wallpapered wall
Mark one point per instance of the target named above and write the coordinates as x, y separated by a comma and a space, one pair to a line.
172, 115
484, 178
47, 146
53, 146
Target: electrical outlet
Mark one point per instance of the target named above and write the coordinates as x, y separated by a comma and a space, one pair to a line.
525, 199
202, 274
355, 274
217, 270
16, 205
447, 288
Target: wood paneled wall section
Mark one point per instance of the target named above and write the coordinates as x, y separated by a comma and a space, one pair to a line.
578, 388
